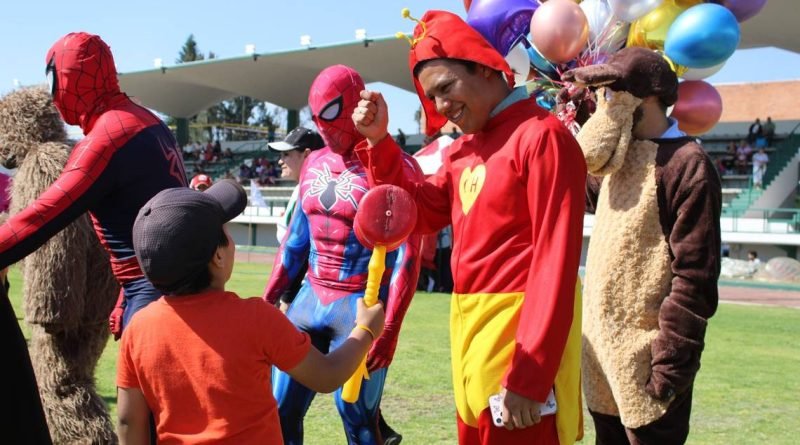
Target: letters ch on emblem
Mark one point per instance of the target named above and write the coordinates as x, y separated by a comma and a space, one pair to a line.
470, 186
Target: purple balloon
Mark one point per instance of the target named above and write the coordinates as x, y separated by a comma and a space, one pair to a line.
503, 23
742, 9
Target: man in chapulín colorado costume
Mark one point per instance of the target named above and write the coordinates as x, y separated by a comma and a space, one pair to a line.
654, 254
513, 189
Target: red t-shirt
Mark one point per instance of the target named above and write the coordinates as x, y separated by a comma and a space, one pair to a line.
204, 363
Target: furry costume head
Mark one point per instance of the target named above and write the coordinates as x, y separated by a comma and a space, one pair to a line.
629, 76
27, 119
638, 71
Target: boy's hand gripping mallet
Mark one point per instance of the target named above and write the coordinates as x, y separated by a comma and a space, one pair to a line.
385, 217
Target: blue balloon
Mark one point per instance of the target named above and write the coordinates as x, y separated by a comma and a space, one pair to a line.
703, 36
503, 23
541, 64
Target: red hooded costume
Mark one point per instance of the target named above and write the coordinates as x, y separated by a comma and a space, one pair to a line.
514, 193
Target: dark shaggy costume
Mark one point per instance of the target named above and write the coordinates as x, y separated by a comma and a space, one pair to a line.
69, 289
653, 260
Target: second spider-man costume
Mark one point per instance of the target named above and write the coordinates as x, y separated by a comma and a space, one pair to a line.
332, 183
126, 157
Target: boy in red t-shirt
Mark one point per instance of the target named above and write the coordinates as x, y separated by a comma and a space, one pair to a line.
199, 358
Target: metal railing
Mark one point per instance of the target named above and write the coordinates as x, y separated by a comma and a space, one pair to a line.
754, 220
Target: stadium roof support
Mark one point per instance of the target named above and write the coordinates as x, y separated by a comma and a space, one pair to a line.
280, 78
283, 78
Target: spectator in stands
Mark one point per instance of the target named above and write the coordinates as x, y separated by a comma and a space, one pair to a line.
743, 152
769, 131
228, 154
728, 160
760, 161
217, 150
752, 261
188, 150
201, 182
755, 131
245, 173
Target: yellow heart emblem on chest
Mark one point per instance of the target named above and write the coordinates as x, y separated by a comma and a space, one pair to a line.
470, 186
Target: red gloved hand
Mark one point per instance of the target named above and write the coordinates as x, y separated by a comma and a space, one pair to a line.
115, 322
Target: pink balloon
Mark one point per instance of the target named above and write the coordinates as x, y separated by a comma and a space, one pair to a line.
699, 107
559, 30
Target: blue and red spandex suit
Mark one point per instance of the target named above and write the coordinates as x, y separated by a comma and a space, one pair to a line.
332, 183
126, 157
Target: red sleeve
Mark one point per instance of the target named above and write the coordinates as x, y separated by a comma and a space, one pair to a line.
556, 181
384, 164
402, 286
71, 195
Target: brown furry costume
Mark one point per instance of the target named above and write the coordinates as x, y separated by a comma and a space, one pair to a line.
653, 260
69, 289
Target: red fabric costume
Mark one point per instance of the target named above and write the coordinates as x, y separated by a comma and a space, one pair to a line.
514, 193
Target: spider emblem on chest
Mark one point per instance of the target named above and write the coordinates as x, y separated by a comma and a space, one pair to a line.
332, 189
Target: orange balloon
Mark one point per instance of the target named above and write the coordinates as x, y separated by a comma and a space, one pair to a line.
559, 30
650, 31
699, 107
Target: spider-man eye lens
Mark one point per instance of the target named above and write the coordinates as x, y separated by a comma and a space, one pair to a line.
50, 72
332, 110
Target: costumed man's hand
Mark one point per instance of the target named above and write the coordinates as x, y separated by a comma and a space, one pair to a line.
115, 319
371, 116
519, 412
382, 351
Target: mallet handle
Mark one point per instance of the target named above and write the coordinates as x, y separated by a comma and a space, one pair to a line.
377, 264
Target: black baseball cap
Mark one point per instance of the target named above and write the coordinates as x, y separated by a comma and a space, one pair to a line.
298, 139
177, 231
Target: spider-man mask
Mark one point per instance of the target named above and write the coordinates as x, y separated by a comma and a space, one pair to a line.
82, 77
332, 98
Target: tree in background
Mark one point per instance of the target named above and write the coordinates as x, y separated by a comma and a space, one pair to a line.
236, 119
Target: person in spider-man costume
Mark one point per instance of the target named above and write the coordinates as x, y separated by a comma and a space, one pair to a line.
126, 157
332, 183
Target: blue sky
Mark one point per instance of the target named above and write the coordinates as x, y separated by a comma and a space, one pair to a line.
140, 31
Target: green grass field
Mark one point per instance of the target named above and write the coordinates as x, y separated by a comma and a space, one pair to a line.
748, 391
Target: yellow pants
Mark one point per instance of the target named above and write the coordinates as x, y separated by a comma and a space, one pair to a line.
483, 331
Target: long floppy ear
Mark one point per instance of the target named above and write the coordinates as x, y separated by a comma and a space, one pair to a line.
594, 75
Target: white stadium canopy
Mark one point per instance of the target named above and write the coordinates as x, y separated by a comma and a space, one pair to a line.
283, 78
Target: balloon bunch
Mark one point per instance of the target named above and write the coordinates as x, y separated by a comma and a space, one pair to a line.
541, 39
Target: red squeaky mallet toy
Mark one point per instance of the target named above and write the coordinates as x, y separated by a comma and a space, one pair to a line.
385, 217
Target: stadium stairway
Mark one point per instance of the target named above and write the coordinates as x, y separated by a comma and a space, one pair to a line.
782, 160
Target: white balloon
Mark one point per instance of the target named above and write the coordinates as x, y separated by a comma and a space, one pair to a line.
598, 15
520, 63
630, 10
604, 31
702, 73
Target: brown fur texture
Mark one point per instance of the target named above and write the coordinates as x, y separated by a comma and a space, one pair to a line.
606, 136
639, 71
69, 289
621, 302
